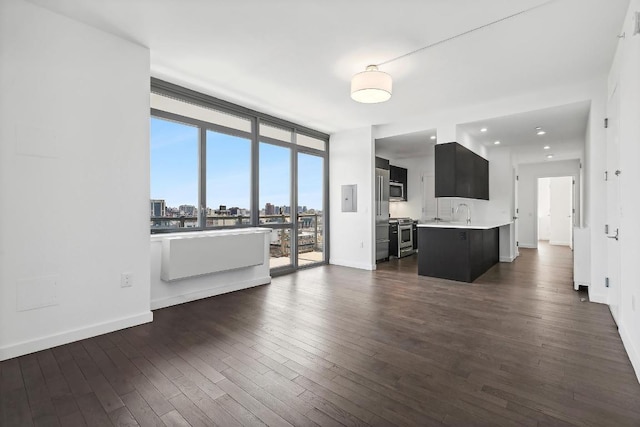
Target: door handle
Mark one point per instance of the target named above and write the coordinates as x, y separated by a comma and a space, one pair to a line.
615, 236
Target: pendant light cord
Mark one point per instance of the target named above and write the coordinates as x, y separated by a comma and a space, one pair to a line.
466, 32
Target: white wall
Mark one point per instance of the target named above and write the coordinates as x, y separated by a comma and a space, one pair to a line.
352, 161
528, 195
500, 205
416, 168
626, 70
74, 180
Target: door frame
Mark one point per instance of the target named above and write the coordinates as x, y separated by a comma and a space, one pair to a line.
613, 210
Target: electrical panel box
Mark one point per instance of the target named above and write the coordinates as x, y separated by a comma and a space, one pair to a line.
350, 198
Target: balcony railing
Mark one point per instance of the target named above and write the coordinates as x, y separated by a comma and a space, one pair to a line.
310, 229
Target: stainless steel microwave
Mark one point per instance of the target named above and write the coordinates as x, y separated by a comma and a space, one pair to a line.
396, 191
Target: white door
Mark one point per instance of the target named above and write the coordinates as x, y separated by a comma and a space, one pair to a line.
561, 206
613, 202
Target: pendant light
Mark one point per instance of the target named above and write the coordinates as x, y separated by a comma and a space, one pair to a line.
371, 86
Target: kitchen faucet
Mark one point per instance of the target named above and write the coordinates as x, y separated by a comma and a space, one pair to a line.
468, 211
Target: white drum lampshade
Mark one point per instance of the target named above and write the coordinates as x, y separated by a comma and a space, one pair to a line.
371, 86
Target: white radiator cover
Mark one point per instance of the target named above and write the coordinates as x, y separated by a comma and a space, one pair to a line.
191, 256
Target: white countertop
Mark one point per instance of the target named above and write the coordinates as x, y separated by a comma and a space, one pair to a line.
478, 225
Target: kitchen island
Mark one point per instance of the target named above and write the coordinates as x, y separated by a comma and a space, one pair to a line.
458, 250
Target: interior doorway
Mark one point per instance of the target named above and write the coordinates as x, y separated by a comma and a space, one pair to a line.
556, 210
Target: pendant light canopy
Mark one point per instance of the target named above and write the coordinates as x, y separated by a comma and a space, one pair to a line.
371, 86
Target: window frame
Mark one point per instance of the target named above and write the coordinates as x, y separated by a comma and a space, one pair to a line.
256, 118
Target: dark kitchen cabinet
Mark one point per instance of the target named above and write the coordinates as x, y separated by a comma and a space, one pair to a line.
398, 174
415, 235
457, 253
382, 163
459, 172
393, 239
481, 177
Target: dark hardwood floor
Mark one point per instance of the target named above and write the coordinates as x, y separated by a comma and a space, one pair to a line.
336, 346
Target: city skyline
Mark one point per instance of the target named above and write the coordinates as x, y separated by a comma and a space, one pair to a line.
160, 209
174, 170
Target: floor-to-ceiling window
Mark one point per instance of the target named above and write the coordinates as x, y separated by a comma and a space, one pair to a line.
311, 224
275, 200
218, 165
174, 174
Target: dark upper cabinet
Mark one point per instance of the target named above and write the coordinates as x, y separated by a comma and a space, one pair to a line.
459, 172
398, 174
481, 176
382, 163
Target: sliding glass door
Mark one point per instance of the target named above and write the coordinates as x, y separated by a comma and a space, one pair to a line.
310, 218
275, 202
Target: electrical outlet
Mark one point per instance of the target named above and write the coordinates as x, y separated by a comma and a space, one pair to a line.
126, 280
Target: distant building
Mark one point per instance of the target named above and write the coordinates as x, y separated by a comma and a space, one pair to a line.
158, 208
269, 209
188, 210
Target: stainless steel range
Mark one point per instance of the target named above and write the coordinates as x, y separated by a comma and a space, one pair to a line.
405, 236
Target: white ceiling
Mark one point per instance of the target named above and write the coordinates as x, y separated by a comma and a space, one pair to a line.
294, 58
565, 128
562, 123
406, 146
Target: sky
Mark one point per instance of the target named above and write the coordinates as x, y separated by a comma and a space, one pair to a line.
174, 170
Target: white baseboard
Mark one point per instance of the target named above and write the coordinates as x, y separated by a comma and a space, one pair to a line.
350, 264
557, 243
599, 298
528, 245
42, 343
508, 258
632, 350
206, 293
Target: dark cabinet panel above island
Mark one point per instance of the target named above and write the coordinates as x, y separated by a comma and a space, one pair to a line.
459, 172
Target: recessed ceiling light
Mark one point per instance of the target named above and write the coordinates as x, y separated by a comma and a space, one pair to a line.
541, 132
497, 143
546, 147
483, 130
433, 137
538, 128
549, 156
